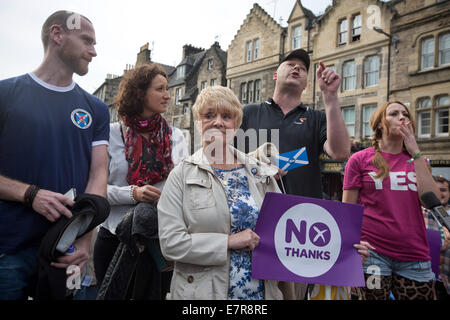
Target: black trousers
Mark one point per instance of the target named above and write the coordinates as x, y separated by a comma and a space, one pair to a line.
104, 249
441, 292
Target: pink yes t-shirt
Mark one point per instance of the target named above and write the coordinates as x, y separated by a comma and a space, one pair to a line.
393, 222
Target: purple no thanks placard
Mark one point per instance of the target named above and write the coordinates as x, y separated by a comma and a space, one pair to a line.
308, 240
434, 243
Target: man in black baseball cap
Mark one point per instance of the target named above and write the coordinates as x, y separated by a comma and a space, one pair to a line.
298, 54
299, 125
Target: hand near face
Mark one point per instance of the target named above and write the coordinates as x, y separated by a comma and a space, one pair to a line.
328, 80
409, 139
398, 123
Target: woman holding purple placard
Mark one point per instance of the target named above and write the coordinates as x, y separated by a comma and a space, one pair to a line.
388, 179
209, 207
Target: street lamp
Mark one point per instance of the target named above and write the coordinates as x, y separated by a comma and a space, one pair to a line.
392, 39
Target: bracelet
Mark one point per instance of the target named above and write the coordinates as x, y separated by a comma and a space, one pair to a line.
29, 195
415, 157
132, 195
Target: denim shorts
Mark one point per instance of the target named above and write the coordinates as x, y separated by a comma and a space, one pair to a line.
385, 266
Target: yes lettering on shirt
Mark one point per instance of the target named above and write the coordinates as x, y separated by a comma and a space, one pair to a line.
399, 181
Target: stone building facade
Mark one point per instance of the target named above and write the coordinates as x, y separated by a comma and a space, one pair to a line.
212, 72
376, 65
198, 69
421, 74
254, 55
183, 91
406, 57
345, 40
107, 92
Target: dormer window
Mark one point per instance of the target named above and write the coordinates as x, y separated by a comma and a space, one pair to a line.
296, 37
181, 71
177, 96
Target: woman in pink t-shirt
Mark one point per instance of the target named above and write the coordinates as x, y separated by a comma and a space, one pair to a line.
388, 180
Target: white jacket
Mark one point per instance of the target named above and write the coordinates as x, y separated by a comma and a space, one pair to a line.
194, 224
118, 189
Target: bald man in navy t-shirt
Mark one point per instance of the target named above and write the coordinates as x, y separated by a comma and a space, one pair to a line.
53, 137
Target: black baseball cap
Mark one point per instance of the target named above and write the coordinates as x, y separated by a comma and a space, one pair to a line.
298, 54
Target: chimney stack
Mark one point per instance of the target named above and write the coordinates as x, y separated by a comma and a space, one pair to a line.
144, 56
189, 50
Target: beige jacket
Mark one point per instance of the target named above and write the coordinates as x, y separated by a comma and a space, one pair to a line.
194, 224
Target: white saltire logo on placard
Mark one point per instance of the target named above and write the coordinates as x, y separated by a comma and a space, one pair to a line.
308, 233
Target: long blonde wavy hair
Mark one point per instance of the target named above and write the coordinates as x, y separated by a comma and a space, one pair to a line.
379, 117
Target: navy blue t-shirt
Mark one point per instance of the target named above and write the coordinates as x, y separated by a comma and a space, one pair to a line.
46, 139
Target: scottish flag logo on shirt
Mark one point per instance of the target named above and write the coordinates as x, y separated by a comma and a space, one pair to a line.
81, 118
292, 159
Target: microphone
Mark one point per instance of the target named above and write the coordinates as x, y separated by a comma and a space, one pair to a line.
432, 203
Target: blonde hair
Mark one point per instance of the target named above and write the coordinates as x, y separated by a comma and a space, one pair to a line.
379, 117
219, 99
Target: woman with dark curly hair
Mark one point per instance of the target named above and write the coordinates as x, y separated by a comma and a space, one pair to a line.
143, 149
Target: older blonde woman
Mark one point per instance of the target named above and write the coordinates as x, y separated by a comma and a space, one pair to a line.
209, 207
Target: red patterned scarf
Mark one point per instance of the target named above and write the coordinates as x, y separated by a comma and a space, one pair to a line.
149, 161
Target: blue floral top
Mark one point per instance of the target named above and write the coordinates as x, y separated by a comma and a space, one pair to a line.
244, 213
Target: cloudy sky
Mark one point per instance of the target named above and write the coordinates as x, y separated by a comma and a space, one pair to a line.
122, 27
